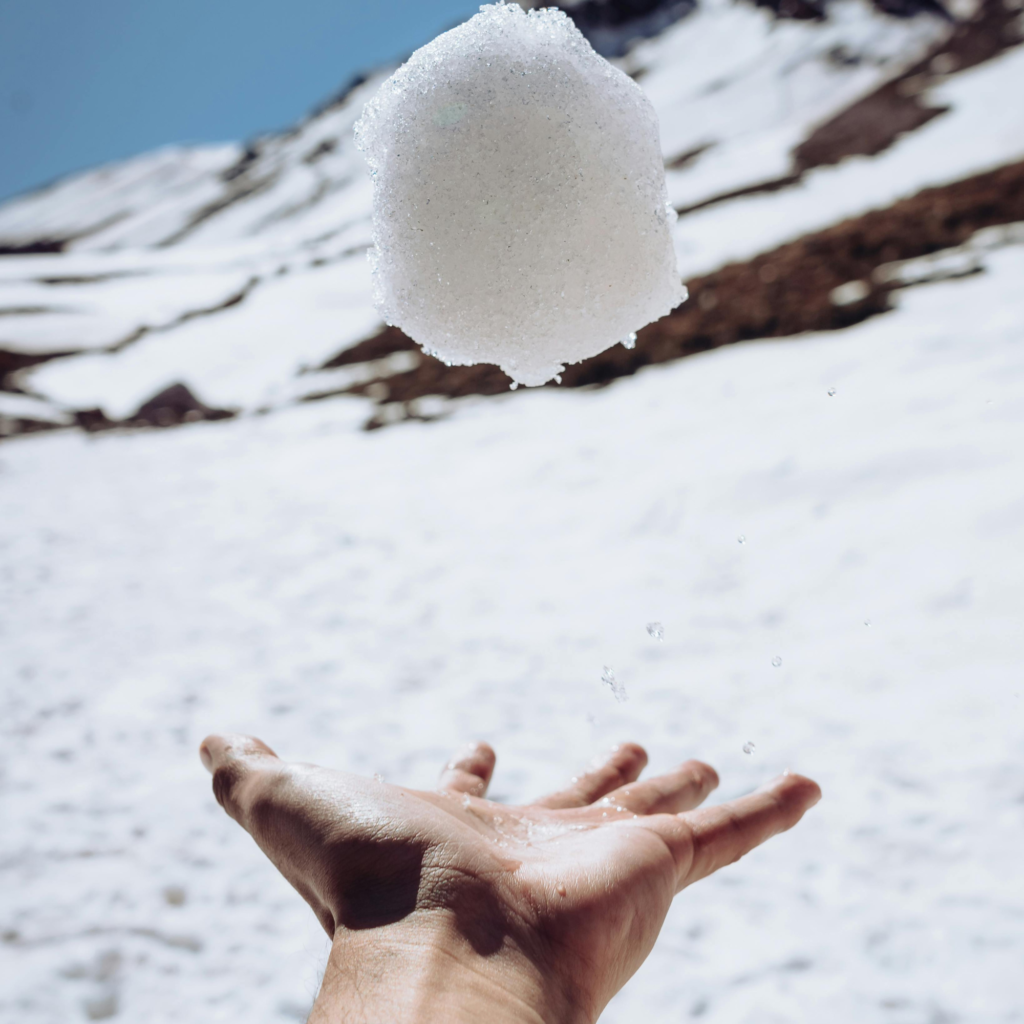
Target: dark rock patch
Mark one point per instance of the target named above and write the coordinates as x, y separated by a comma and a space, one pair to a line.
173, 406
13, 362
35, 247
389, 341
11, 426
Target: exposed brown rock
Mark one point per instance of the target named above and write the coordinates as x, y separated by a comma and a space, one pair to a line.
12, 362
389, 341
173, 406
34, 247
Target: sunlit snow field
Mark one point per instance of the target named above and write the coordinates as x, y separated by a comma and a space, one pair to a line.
369, 601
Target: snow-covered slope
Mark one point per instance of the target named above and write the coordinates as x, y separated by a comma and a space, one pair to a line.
155, 252
369, 600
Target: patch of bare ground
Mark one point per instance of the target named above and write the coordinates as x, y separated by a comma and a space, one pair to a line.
171, 407
11, 363
824, 281
17, 425
36, 247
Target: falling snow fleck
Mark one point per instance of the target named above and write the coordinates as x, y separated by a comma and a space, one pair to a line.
609, 680
741, 539
831, 392
748, 747
656, 630
776, 661
867, 622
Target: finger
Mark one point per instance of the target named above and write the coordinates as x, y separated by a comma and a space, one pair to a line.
681, 789
469, 771
624, 764
235, 761
720, 835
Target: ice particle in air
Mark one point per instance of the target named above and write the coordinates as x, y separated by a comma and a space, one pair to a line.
520, 208
609, 680
656, 630
748, 747
831, 392
776, 661
741, 539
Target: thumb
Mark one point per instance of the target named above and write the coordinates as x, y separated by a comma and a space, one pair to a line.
235, 761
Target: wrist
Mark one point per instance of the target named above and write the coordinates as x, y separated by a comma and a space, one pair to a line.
421, 970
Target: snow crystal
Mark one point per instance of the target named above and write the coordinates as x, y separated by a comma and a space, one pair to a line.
656, 630
748, 747
609, 680
520, 209
776, 661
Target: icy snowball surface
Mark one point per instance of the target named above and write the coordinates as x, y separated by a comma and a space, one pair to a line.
520, 212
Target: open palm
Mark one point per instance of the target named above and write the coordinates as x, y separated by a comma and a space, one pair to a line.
577, 883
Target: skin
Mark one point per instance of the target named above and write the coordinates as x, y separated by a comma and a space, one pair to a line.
446, 906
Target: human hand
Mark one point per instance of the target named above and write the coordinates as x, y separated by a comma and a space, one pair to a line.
446, 906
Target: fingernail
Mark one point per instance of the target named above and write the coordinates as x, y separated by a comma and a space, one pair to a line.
204, 756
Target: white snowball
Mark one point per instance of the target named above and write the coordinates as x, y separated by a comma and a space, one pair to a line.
520, 210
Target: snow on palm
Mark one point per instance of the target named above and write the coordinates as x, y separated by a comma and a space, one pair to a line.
520, 209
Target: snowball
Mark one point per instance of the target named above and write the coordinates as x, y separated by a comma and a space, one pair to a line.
520, 211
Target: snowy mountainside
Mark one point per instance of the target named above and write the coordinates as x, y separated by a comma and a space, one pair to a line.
826, 512
238, 271
370, 601
175, 196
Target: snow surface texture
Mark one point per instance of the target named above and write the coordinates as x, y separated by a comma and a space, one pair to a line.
370, 601
519, 205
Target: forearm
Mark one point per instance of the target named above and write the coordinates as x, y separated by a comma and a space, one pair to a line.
408, 973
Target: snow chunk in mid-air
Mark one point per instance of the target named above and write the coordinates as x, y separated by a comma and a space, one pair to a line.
520, 210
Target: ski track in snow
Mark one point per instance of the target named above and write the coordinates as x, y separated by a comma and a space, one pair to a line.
371, 601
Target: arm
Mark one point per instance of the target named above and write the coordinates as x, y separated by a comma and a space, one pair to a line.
446, 906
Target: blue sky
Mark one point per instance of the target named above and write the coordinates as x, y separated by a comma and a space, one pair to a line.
87, 81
